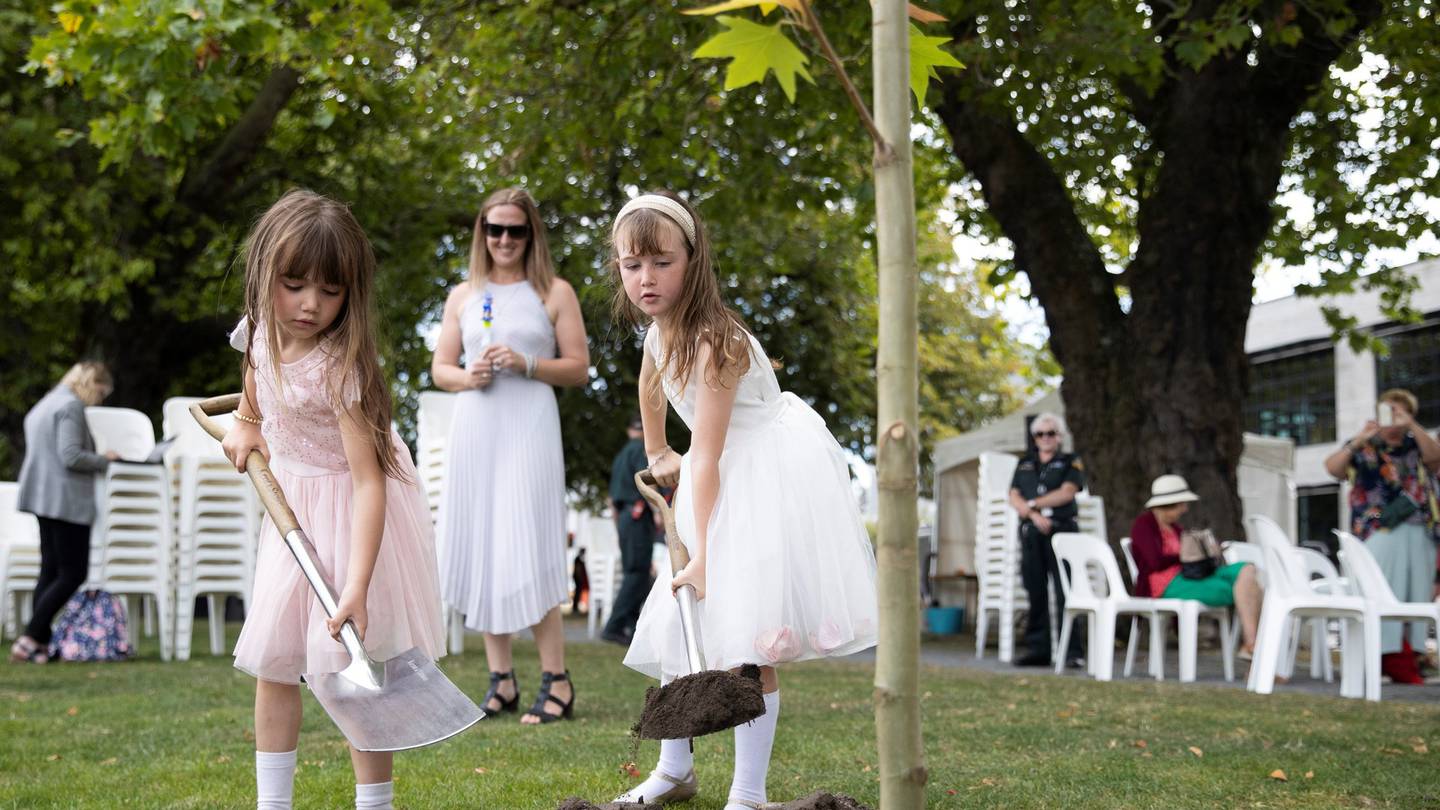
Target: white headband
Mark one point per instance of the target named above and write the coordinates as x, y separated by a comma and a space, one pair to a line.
664, 205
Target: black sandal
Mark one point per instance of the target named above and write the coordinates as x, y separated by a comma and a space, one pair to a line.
511, 705
567, 710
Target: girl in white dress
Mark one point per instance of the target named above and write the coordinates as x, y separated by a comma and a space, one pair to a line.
501, 525
779, 553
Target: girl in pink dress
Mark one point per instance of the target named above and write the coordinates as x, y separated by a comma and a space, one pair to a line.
317, 406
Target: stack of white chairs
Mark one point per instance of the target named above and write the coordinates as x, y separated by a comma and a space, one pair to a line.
217, 525
1380, 600
431, 458
133, 522
997, 555
19, 560
1289, 595
1187, 613
599, 537
1080, 555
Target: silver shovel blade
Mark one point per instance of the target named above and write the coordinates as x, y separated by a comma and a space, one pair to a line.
416, 705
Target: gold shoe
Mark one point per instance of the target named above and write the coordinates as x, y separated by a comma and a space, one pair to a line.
682, 789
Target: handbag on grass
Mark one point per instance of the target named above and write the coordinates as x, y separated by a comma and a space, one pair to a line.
1200, 554
91, 627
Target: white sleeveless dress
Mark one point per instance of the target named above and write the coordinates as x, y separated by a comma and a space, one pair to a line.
501, 527
790, 574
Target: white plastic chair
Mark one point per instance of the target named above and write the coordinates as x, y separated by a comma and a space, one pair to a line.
601, 540
1291, 596
1187, 614
997, 557
1369, 580
19, 560
134, 521
1080, 552
1323, 578
432, 457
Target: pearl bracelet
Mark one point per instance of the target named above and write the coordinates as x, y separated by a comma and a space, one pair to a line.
254, 420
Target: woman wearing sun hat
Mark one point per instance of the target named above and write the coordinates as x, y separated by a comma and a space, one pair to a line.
1155, 544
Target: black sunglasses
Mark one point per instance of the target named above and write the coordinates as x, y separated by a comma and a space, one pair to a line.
496, 231
1045, 434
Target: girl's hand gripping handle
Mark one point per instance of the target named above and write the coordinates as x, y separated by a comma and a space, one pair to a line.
679, 557
255, 465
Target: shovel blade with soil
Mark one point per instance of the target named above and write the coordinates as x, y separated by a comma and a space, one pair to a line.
705, 701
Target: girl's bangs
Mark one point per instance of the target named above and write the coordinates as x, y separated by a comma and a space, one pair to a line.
316, 257
643, 233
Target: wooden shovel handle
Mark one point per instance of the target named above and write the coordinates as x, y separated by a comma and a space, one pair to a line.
679, 557
255, 466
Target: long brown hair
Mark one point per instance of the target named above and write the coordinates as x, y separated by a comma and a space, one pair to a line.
699, 315
306, 235
539, 268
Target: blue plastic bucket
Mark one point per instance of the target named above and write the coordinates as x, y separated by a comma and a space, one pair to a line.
944, 621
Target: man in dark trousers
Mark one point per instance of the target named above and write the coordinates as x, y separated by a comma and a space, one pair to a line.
1043, 493
636, 527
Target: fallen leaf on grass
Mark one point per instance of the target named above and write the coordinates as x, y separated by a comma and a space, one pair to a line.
1147, 755
94, 675
52, 758
950, 792
1196, 751
248, 734
1418, 745
1112, 744
1140, 744
1391, 751
1064, 714
1279, 775
630, 770
110, 761
222, 759
73, 710
1010, 706
481, 771
1309, 774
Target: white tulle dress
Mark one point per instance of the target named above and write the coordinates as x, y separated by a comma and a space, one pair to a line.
790, 573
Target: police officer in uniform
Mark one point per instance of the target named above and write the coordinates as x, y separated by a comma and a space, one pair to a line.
1043, 493
636, 527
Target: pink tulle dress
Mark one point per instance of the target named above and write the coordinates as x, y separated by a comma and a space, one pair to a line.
284, 634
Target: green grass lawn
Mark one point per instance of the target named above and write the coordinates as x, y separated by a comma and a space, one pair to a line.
148, 734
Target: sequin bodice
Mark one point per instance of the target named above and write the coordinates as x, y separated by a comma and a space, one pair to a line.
301, 422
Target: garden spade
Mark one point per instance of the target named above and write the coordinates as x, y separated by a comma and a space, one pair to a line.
705, 701
403, 702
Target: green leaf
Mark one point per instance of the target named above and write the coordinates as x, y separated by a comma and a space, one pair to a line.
766, 6
925, 57
755, 50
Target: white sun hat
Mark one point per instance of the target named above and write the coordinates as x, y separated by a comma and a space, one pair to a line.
1168, 490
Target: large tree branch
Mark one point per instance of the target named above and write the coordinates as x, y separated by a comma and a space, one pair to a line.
1287, 76
205, 189
1035, 212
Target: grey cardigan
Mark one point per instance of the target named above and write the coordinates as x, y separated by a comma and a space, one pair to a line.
57, 478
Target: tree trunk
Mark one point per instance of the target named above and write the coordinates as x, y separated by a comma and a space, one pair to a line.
1160, 388
897, 679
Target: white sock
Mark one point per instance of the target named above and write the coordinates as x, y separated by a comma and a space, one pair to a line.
377, 796
274, 780
753, 742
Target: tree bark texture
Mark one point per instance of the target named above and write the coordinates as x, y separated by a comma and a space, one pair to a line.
1160, 388
897, 679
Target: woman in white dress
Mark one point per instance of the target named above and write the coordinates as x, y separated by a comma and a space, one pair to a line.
502, 512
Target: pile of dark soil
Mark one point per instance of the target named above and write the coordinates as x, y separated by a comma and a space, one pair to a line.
700, 704
573, 803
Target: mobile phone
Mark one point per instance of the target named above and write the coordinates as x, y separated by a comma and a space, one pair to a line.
1384, 415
